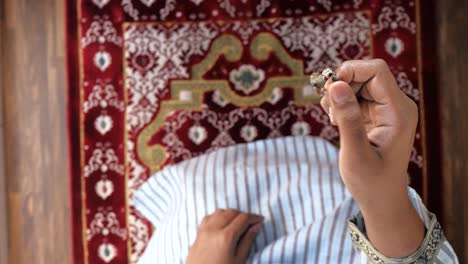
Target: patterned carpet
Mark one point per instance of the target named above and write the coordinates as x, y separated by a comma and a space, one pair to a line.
154, 82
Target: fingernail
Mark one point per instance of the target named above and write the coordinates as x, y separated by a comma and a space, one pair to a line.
330, 114
341, 94
259, 216
255, 228
256, 219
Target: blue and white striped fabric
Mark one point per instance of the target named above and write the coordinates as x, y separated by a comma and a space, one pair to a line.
293, 182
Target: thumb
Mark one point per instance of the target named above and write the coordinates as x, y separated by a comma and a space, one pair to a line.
346, 113
246, 242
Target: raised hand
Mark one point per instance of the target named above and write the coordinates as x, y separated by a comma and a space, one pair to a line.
377, 128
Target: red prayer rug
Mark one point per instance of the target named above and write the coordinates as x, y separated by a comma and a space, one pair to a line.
154, 82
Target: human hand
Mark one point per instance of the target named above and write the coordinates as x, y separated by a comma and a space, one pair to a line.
376, 138
225, 237
376, 132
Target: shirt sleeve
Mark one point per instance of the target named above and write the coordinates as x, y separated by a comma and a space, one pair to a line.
434, 248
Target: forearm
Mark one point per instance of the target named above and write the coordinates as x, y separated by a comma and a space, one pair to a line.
393, 226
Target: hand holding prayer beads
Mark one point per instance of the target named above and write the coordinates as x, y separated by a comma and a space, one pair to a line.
376, 139
318, 80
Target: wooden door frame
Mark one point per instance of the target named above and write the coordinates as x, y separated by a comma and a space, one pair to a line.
3, 197
453, 83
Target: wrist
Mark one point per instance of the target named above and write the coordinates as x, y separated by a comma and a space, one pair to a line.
389, 194
394, 227
387, 210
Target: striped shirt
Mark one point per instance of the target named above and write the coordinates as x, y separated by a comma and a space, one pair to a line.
293, 182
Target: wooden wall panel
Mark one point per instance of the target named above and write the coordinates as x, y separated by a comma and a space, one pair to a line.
34, 98
453, 58
3, 211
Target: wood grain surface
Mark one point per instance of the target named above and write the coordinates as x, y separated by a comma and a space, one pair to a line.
3, 211
453, 68
34, 129
34, 98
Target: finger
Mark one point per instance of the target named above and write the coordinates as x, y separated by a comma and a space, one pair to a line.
240, 224
218, 211
330, 115
221, 218
208, 220
366, 115
246, 242
348, 117
325, 103
380, 84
